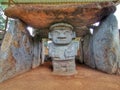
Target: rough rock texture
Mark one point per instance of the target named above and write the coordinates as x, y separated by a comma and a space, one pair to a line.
106, 45
36, 54
80, 32
16, 55
88, 50
102, 50
43, 15
80, 53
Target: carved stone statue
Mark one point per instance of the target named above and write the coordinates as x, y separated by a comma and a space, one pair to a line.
63, 49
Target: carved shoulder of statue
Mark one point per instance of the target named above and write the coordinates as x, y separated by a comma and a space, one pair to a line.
71, 51
52, 50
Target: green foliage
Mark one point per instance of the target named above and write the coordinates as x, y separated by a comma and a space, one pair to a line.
2, 18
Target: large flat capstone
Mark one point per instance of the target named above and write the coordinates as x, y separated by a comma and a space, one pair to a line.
43, 15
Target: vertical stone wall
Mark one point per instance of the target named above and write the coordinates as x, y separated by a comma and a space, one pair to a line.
102, 50
88, 51
37, 51
106, 45
18, 51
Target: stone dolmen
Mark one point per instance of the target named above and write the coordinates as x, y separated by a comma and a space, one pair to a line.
61, 23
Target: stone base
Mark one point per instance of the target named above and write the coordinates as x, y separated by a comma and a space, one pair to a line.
64, 67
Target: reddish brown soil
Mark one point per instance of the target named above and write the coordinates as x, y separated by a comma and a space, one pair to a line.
42, 79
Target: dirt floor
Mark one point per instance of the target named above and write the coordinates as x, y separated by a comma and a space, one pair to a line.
42, 79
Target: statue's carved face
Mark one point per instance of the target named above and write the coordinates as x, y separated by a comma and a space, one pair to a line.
61, 36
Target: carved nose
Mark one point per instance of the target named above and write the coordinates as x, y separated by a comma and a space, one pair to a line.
61, 36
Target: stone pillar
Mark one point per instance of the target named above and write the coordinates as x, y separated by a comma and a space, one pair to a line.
88, 51
37, 46
16, 51
101, 50
106, 45
80, 51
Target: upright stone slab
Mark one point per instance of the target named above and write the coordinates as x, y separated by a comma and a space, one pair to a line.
80, 51
16, 51
88, 50
106, 45
36, 54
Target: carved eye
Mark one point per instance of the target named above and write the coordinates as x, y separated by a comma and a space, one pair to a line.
66, 32
56, 32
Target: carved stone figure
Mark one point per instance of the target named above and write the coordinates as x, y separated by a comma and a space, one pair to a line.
63, 49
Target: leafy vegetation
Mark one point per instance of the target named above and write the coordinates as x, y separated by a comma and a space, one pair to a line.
2, 18
2, 22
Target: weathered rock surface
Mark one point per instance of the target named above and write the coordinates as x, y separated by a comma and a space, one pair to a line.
103, 52
80, 53
16, 55
43, 15
88, 51
106, 45
37, 50
80, 32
